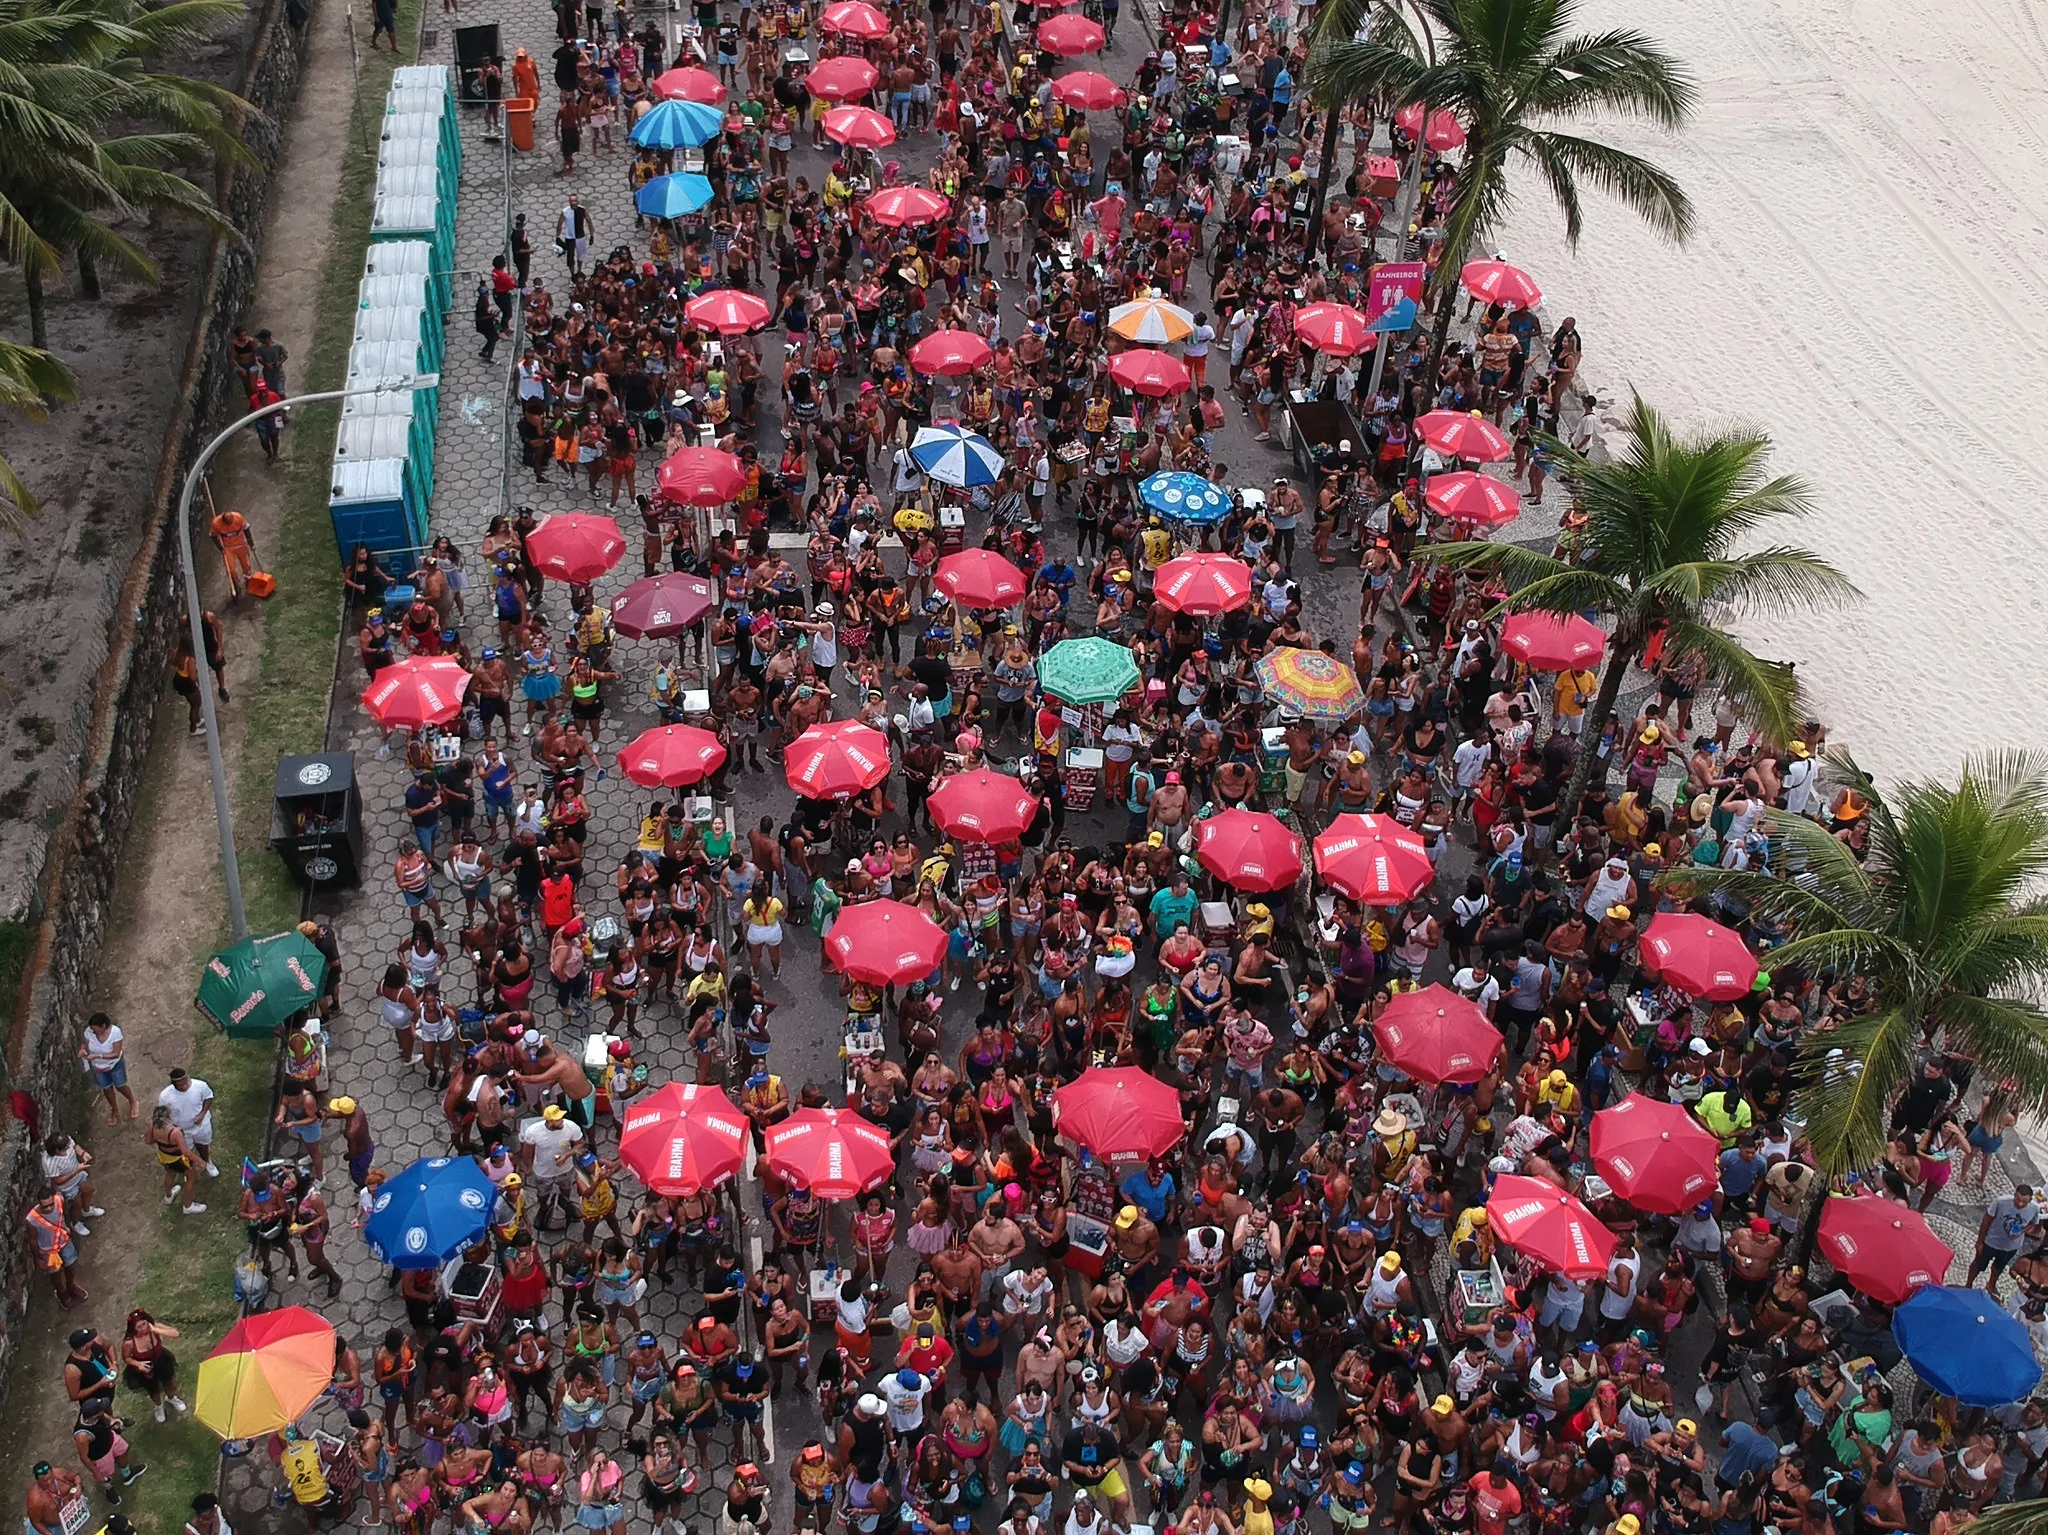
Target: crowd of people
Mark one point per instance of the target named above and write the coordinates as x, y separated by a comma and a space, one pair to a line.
1274, 1331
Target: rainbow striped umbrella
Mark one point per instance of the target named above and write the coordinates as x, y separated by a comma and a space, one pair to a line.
1310, 685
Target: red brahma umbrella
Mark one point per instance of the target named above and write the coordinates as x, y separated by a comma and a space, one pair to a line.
1249, 850
1373, 859
1885, 1250
1543, 1222
1155, 374
1445, 131
728, 311
1456, 434
898, 207
576, 547
954, 353
982, 806
836, 760
1437, 1036
681, 1139
689, 83
1498, 283
854, 18
418, 691
702, 476
1088, 91
1068, 36
834, 1153
1698, 956
980, 578
1545, 642
1120, 1113
842, 79
862, 127
1655, 1155
1203, 583
1479, 499
1337, 329
885, 943
672, 756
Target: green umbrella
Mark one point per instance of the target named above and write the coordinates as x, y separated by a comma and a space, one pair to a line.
250, 987
1088, 671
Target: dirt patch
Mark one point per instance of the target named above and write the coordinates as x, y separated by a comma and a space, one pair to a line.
167, 914
92, 464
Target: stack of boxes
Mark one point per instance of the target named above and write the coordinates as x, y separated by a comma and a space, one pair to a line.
383, 479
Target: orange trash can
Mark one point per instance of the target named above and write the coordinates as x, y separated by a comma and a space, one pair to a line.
519, 120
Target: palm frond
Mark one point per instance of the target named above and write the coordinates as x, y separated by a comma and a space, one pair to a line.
1768, 691
1619, 73
1652, 193
1844, 1108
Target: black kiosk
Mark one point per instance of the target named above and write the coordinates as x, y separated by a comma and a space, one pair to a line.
316, 819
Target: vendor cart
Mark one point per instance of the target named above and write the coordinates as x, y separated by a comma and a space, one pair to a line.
1320, 433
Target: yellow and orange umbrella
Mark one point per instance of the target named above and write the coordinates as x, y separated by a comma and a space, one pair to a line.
1152, 321
1309, 684
268, 1369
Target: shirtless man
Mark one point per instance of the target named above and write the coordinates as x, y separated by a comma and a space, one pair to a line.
1351, 789
996, 1240
1752, 1252
743, 700
1136, 1240
958, 1270
1169, 807
560, 1070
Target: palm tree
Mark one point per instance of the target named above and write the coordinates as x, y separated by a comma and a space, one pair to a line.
73, 73
29, 380
1942, 916
1513, 73
1666, 516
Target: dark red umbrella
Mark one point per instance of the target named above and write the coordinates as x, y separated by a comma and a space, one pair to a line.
832, 1152
1885, 1250
418, 691
662, 607
982, 806
885, 943
981, 578
1203, 583
836, 760
576, 547
1698, 956
1119, 1113
842, 79
1546, 642
1543, 1222
1655, 1155
1374, 859
689, 83
1249, 850
672, 757
1437, 1036
681, 1139
702, 476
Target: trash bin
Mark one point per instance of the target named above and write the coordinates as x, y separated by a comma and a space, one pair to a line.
519, 120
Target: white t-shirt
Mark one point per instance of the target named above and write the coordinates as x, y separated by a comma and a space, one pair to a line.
191, 1110
1199, 339
1478, 985
1041, 475
1023, 1298
1800, 775
906, 1403
1469, 761
554, 1146
1120, 741
103, 1054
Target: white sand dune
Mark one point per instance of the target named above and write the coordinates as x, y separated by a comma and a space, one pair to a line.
1870, 283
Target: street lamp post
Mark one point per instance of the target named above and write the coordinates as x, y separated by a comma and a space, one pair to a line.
230, 867
1411, 192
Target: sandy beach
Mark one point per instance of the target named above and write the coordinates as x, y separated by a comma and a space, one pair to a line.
1865, 283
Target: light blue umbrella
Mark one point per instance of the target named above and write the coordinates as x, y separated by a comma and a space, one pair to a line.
678, 124
952, 455
670, 197
1185, 497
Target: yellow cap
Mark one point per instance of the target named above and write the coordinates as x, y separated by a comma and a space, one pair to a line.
1443, 1404
1258, 910
1627, 1524
513, 1181
1686, 1426
1155, 839
1654, 849
1618, 912
1390, 1264
1556, 1079
1127, 1217
554, 1113
1356, 759
341, 1105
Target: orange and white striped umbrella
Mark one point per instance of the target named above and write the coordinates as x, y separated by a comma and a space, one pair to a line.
1152, 321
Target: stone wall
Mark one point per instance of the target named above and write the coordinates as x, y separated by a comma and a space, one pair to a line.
74, 896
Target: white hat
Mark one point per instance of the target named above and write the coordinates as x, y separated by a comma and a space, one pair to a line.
870, 1404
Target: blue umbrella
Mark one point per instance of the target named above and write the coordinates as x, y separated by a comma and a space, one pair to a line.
430, 1212
1185, 497
952, 455
1962, 1345
678, 124
670, 197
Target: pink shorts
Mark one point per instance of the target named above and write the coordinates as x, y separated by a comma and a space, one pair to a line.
103, 1468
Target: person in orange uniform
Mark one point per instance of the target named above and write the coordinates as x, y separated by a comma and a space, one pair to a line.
230, 531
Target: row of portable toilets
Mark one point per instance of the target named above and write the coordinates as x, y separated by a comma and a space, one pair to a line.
383, 479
